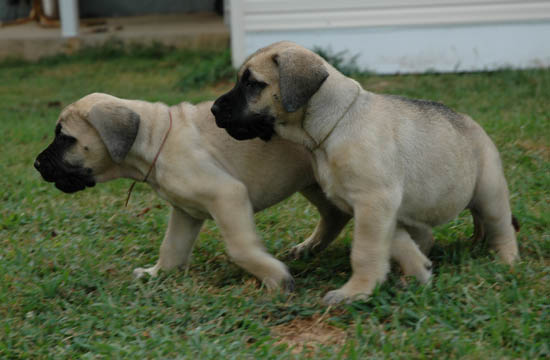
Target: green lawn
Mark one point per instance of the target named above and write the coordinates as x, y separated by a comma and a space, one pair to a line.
66, 261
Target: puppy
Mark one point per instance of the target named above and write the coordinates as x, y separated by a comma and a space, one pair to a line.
399, 166
201, 171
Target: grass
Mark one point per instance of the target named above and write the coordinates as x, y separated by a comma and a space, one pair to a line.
343, 61
66, 261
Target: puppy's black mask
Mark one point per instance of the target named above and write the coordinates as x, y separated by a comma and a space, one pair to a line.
67, 177
232, 113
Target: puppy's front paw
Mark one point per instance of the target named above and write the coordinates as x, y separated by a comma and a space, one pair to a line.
286, 284
340, 296
152, 271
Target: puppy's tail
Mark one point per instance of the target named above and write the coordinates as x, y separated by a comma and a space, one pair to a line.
515, 223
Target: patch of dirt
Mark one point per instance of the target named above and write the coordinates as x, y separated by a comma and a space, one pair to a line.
308, 333
537, 147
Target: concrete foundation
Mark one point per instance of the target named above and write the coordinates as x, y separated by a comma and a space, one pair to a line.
31, 41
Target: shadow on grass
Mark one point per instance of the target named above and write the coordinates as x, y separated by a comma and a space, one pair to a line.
332, 266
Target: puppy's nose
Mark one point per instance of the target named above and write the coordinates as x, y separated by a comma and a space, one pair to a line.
215, 109
37, 164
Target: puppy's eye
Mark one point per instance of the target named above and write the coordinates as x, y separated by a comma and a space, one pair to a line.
66, 139
253, 84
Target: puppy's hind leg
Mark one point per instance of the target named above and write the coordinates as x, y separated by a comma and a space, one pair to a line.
422, 236
479, 232
491, 203
408, 255
176, 247
329, 226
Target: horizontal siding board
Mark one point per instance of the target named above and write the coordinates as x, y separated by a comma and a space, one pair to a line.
262, 6
365, 16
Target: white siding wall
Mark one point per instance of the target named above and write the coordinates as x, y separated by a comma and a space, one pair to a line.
402, 35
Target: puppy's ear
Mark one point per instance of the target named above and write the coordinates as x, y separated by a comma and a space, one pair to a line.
117, 126
301, 74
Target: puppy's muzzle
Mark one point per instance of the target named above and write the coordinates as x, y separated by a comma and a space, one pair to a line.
223, 117
67, 178
244, 125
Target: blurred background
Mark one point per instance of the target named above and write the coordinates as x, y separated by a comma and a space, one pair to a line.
381, 36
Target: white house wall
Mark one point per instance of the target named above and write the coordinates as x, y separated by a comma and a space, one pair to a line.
400, 36
390, 50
